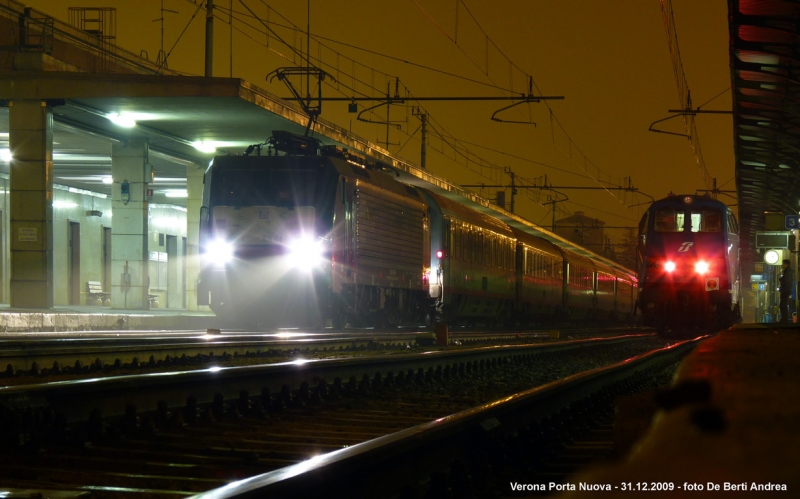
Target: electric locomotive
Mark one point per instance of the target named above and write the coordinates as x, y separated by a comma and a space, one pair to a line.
688, 264
309, 235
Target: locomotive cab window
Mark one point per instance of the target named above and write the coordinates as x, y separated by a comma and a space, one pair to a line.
732, 228
668, 220
706, 220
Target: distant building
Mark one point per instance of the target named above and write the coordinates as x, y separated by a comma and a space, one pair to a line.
584, 231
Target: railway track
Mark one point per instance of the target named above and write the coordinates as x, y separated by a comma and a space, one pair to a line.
538, 436
113, 352
180, 434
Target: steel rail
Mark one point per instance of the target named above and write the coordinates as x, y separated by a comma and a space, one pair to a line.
21, 352
408, 455
112, 395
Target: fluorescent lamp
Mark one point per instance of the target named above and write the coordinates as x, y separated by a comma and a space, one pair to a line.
204, 146
121, 120
176, 193
107, 179
5, 155
64, 204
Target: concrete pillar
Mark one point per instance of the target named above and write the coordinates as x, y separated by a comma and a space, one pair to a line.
31, 185
194, 200
130, 277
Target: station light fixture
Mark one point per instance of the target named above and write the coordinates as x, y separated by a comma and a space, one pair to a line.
64, 204
107, 179
176, 193
5, 155
121, 120
203, 146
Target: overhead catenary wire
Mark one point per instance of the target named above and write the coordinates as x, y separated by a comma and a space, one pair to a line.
166, 57
684, 93
598, 174
460, 153
452, 142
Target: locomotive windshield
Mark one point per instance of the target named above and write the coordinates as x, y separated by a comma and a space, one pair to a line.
265, 187
700, 220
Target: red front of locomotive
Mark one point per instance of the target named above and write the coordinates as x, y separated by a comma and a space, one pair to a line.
689, 272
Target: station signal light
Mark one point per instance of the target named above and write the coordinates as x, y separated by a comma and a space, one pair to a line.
439, 254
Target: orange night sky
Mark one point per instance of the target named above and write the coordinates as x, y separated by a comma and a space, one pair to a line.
610, 60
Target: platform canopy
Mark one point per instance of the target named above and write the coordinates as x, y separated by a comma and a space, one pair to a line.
765, 78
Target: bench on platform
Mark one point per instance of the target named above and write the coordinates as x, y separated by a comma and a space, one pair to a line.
94, 290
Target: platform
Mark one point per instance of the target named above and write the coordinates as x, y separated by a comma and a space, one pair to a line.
92, 318
733, 417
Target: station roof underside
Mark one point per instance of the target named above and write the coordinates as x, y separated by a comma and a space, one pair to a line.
765, 65
174, 112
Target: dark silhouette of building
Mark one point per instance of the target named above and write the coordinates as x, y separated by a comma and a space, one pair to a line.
582, 230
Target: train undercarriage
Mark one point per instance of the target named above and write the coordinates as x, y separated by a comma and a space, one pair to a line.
684, 313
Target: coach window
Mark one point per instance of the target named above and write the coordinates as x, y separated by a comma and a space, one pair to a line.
473, 246
448, 243
462, 236
528, 263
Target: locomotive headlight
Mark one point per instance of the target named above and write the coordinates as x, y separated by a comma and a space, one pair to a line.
701, 267
219, 251
669, 266
305, 253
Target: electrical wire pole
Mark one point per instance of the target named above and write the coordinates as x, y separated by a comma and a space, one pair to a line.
209, 38
423, 118
513, 185
554, 202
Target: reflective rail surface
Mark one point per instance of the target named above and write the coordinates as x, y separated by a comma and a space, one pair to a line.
76, 398
22, 350
379, 467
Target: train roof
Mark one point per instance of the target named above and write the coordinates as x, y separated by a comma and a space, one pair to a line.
689, 200
465, 213
458, 195
381, 179
408, 173
537, 243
